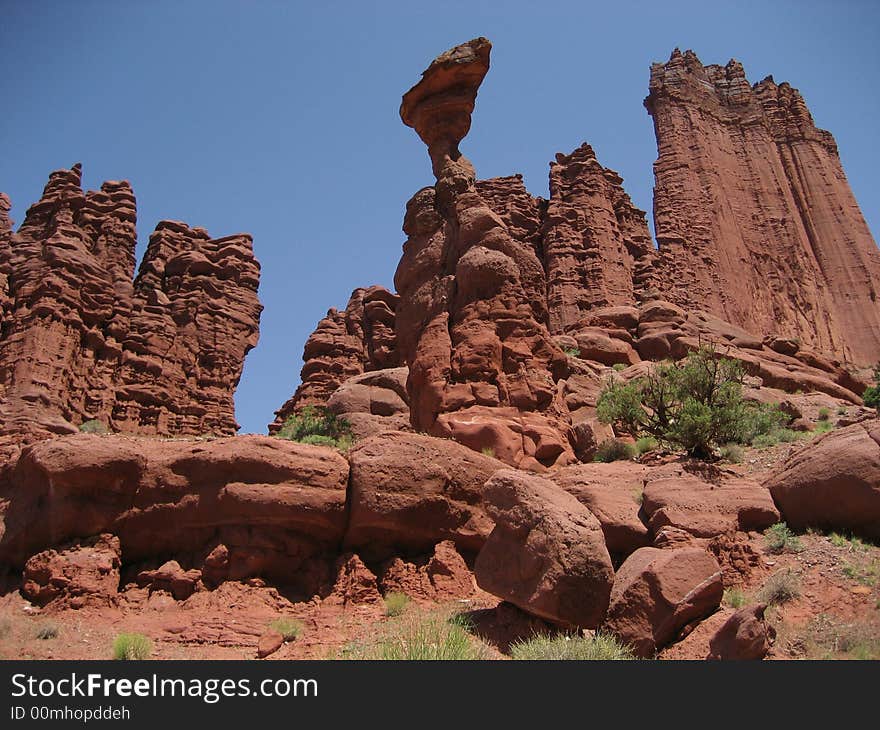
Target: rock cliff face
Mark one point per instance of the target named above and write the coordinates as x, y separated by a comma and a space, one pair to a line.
82, 340
359, 339
754, 217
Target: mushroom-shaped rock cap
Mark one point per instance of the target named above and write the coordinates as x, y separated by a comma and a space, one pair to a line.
439, 106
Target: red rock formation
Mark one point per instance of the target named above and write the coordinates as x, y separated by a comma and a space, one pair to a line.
345, 344
754, 217
592, 237
483, 367
81, 341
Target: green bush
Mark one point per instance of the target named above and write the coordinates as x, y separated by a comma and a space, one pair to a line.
317, 426
289, 628
871, 396
422, 637
614, 450
92, 426
782, 540
618, 367
646, 444
824, 414
781, 587
732, 453
564, 647
132, 647
488, 451
823, 427
396, 603
694, 404
571, 351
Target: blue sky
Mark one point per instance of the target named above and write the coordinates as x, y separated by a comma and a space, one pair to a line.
281, 118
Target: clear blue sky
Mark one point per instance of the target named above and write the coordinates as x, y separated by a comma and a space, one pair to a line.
281, 118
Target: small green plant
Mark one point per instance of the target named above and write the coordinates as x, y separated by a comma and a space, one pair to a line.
572, 351
734, 597
867, 575
289, 628
396, 604
566, 647
823, 427
132, 647
317, 426
421, 637
614, 450
488, 451
93, 426
850, 542
638, 495
824, 414
46, 631
781, 587
646, 444
732, 453
618, 367
776, 436
780, 539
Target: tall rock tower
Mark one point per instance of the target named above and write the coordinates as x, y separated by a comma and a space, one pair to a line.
754, 217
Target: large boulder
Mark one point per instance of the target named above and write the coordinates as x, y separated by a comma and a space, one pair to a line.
547, 552
409, 492
166, 497
745, 635
613, 493
834, 482
706, 500
657, 592
79, 573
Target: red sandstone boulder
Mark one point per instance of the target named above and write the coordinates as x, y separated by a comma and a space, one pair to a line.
272, 503
172, 578
355, 583
657, 593
833, 482
706, 500
410, 492
745, 635
547, 553
612, 492
269, 643
442, 576
80, 573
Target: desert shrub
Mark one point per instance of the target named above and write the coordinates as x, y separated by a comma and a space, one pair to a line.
488, 451
823, 427
564, 647
638, 495
618, 367
92, 426
776, 436
421, 637
826, 637
646, 444
46, 631
781, 587
871, 396
132, 647
614, 450
780, 539
572, 351
734, 597
695, 405
824, 414
289, 628
317, 426
732, 453
396, 603
841, 411
867, 575
851, 542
